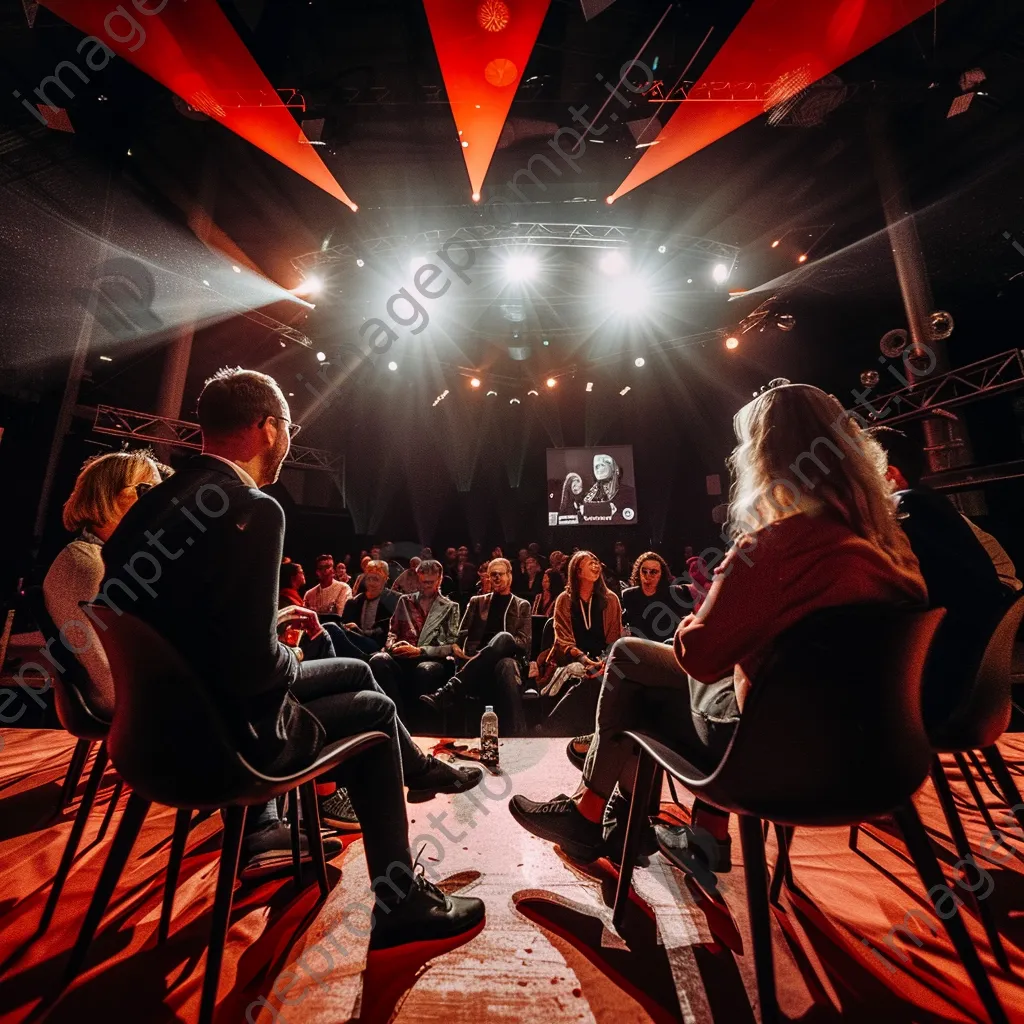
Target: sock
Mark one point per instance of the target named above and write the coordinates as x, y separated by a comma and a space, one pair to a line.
591, 806
710, 818
325, 788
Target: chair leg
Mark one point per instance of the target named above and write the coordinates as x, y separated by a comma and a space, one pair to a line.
965, 770
293, 821
963, 849
756, 870
311, 816
109, 816
916, 838
230, 852
643, 785
854, 829
983, 775
783, 867
75, 768
75, 836
182, 820
135, 812
1004, 780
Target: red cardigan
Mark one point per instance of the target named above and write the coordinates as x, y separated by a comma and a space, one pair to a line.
776, 577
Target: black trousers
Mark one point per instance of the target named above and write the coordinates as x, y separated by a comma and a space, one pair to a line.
493, 672
344, 696
404, 679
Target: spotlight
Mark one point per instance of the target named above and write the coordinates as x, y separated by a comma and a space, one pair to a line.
465, 145
416, 262
627, 296
625, 390
639, 361
662, 249
489, 393
551, 382
532, 392
545, 343
291, 394
521, 267
720, 273
475, 382
802, 258
320, 357
476, 197
732, 342
689, 280
775, 244
609, 200
106, 359
207, 283
313, 285
514, 401
613, 262
237, 270
590, 385
360, 263
392, 366
353, 207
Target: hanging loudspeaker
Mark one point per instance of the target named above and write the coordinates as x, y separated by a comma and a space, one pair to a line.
893, 343
941, 325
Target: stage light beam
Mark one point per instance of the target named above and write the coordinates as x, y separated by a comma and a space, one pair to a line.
732, 342
475, 382
521, 267
720, 273
551, 382
612, 262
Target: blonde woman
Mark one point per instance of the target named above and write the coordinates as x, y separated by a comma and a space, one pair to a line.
105, 490
813, 529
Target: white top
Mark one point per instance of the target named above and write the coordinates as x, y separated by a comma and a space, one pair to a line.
330, 600
241, 473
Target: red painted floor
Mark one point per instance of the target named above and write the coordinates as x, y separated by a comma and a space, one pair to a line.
547, 951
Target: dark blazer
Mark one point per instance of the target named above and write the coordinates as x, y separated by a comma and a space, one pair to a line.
382, 620
518, 622
961, 578
198, 558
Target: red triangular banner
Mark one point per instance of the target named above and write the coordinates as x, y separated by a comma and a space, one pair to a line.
193, 50
777, 49
482, 47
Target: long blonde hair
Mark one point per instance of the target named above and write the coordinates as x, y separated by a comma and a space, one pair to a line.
100, 481
800, 451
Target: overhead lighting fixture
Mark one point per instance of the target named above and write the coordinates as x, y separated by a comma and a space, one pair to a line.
802, 258
320, 357
662, 249
545, 343
207, 283
775, 244
689, 280
237, 270
476, 197
521, 267
106, 359
392, 366
551, 382
291, 394
720, 273
612, 262
514, 401
532, 392
313, 285
489, 393
625, 390
475, 382
360, 263
627, 296
639, 361
732, 342
590, 385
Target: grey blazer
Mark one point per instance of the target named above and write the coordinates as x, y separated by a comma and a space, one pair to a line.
438, 632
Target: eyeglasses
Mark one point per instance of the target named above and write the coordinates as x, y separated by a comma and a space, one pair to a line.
140, 489
650, 572
293, 427
498, 574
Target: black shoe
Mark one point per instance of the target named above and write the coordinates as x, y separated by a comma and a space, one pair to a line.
422, 914
695, 850
447, 695
439, 777
337, 812
268, 853
614, 825
530, 693
560, 821
577, 759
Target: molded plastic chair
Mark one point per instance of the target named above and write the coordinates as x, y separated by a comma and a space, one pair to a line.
831, 734
168, 742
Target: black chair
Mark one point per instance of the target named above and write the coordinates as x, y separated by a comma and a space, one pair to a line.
979, 721
169, 744
831, 734
71, 689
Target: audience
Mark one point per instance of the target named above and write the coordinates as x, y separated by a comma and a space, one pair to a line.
420, 640
407, 581
464, 574
652, 605
357, 587
493, 644
211, 520
367, 617
835, 543
330, 595
484, 578
622, 567
551, 585
529, 583
957, 570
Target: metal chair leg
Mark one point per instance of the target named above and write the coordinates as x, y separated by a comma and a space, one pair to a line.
135, 812
1004, 780
230, 851
293, 821
311, 816
916, 838
983, 775
783, 868
963, 849
965, 770
75, 836
756, 870
643, 785
111, 807
75, 768
182, 820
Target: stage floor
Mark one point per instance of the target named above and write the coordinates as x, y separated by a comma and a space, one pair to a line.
547, 952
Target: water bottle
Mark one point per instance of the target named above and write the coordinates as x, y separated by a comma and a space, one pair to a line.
489, 738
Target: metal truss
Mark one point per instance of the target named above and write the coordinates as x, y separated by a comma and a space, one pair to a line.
280, 329
521, 233
982, 379
141, 426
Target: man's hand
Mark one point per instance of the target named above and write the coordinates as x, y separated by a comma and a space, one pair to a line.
305, 618
403, 649
593, 668
353, 627
459, 653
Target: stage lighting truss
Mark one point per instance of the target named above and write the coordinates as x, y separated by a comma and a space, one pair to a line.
142, 426
523, 235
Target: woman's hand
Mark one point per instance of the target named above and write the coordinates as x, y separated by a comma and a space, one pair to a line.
459, 653
305, 618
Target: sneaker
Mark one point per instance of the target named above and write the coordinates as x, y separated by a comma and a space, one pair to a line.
577, 749
337, 812
268, 853
695, 850
530, 693
560, 822
440, 777
422, 914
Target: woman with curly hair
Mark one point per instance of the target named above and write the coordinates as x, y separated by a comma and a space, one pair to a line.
652, 605
572, 493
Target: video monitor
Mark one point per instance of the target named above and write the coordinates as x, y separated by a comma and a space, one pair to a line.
591, 486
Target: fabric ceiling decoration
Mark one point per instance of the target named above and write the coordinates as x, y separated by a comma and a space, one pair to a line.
193, 50
777, 50
482, 47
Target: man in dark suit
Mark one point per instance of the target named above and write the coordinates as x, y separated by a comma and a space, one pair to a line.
957, 570
494, 644
367, 616
198, 559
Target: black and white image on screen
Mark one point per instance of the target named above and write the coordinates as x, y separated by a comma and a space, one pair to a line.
591, 486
